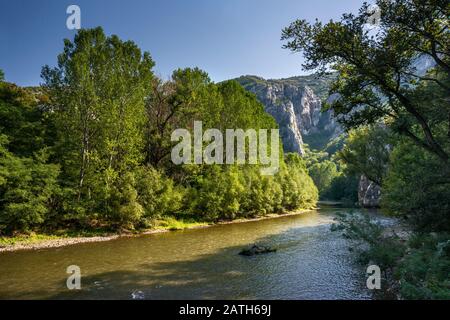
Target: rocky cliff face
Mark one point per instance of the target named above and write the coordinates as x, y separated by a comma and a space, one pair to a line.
296, 104
369, 193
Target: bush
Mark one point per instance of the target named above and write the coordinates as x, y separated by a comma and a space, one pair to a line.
27, 188
298, 188
414, 268
157, 194
424, 272
218, 193
262, 194
417, 187
242, 191
137, 197
125, 209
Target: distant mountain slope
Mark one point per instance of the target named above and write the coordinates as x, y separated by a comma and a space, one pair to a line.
296, 104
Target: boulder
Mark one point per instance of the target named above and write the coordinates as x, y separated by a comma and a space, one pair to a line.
369, 193
256, 249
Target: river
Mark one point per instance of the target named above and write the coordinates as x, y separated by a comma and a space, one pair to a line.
311, 262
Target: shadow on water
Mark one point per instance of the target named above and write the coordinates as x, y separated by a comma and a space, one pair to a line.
310, 263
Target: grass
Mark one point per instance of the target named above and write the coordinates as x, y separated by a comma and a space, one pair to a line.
170, 223
162, 224
26, 239
166, 223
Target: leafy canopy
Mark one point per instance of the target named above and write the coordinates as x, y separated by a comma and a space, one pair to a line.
377, 66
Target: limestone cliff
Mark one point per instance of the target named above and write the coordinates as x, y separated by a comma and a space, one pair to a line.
296, 105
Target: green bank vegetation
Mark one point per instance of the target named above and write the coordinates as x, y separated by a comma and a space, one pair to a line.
90, 149
397, 117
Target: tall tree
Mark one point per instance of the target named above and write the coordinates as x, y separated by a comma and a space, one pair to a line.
187, 97
366, 152
98, 93
378, 66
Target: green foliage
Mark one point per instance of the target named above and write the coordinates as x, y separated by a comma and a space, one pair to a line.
90, 148
28, 128
368, 239
335, 144
332, 178
424, 271
262, 194
367, 88
98, 92
27, 189
417, 187
323, 174
317, 140
157, 193
241, 109
242, 191
217, 194
298, 188
344, 187
366, 152
191, 96
124, 209
414, 268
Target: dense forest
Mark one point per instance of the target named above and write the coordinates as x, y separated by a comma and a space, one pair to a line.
396, 112
90, 148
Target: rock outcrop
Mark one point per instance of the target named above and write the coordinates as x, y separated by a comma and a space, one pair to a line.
296, 105
369, 193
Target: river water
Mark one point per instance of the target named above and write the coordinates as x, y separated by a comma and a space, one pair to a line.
311, 262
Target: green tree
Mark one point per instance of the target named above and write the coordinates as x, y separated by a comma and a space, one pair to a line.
241, 109
299, 190
343, 188
217, 193
28, 127
262, 194
417, 188
366, 152
157, 193
323, 174
28, 187
377, 75
98, 92
189, 96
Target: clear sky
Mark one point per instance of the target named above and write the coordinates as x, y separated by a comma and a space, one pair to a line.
226, 38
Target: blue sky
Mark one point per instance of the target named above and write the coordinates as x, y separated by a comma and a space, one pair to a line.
226, 38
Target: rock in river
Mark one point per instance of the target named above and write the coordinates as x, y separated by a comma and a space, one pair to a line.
255, 249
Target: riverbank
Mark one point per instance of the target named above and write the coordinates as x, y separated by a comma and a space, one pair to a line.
41, 241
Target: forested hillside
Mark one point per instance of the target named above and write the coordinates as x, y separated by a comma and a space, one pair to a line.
90, 149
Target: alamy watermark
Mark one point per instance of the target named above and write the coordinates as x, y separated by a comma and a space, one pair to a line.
231, 151
73, 281
374, 15
374, 280
73, 21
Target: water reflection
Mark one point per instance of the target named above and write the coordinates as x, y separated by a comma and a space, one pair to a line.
311, 263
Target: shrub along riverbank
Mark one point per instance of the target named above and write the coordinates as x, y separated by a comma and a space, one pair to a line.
391, 94
60, 238
414, 265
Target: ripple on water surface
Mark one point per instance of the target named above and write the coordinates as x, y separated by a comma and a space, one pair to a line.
310, 263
